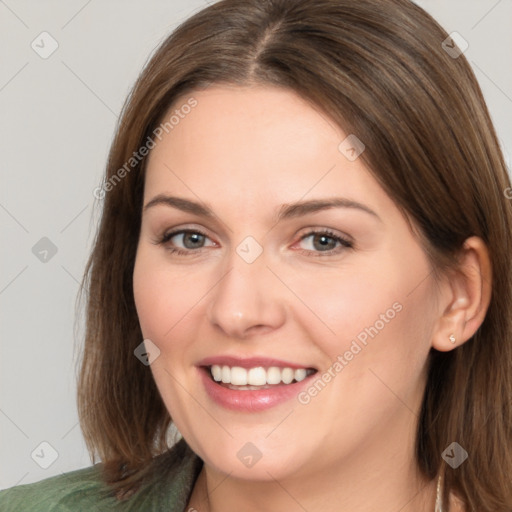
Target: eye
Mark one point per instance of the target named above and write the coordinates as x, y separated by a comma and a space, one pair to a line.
191, 240
325, 243
322, 242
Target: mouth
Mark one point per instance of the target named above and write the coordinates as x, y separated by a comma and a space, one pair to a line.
238, 378
252, 384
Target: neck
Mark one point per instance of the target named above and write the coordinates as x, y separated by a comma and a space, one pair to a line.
354, 487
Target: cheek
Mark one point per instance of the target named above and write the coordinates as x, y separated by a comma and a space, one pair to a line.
377, 354
343, 302
162, 297
375, 316
386, 377
165, 303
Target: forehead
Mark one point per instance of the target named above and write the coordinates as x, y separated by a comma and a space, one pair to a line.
252, 145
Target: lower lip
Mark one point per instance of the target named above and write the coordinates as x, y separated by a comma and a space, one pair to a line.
251, 400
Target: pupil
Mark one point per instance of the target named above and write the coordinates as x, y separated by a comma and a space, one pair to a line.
195, 237
324, 241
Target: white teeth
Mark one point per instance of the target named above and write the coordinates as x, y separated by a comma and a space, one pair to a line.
287, 375
238, 376
226, 375
273, 375
300, 374
216, 372
257, 376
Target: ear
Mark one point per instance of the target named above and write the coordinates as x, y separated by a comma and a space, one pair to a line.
464, 297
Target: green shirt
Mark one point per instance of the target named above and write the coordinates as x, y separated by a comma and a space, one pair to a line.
84, 491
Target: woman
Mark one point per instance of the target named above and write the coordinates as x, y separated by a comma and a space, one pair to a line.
303, 266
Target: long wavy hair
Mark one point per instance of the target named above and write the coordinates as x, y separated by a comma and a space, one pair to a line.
379, 70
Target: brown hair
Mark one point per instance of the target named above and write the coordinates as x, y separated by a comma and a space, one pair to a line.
378, 69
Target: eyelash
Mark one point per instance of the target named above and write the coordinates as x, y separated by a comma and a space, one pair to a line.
347, 244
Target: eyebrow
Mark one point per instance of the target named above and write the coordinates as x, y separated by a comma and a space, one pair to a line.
286, 211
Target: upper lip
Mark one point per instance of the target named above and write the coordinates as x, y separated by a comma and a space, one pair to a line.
250, 362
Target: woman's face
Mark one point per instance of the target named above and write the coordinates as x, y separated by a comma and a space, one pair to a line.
262, 282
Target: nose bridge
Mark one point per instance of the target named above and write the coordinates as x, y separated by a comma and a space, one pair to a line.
248, 295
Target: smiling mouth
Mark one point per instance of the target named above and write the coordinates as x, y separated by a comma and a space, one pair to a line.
257, 378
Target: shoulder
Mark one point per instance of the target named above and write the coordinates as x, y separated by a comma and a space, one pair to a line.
171, 481
82, 489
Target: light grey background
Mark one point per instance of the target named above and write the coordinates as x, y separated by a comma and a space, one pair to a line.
57, 120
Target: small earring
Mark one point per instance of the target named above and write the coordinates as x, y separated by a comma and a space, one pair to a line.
452, 338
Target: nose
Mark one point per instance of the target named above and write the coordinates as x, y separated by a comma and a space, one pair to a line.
248, 300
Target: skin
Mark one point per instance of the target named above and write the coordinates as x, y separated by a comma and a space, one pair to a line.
245, 151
